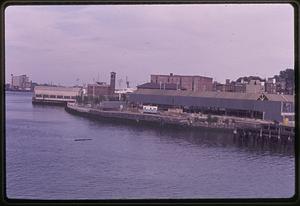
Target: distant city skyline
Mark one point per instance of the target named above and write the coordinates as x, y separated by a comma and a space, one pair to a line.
71, 45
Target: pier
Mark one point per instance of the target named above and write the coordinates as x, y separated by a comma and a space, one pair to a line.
243, 129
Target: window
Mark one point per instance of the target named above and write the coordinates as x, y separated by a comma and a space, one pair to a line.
52, 96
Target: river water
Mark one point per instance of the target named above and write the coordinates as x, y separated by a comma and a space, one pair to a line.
43, 160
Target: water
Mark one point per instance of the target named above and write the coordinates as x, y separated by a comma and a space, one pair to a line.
43, 160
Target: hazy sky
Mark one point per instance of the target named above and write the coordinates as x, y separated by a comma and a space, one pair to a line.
62, 43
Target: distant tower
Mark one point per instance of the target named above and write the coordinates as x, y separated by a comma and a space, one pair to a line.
112, 82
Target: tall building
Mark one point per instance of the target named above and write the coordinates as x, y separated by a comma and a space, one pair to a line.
20, 82
189, 83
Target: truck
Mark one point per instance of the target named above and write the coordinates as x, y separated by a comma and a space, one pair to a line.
150, 109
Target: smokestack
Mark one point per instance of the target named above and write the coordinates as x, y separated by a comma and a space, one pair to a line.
112, 82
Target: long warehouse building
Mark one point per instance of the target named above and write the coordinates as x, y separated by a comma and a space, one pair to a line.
274, 107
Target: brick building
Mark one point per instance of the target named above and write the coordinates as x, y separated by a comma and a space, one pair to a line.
189, 83
98, 89
229, 86
101, 88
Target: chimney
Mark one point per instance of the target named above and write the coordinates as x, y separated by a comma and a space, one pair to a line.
112, 82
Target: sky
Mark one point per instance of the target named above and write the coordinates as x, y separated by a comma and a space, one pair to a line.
75, 44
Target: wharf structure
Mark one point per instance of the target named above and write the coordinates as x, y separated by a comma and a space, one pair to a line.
245, 128
272, 107
55, 95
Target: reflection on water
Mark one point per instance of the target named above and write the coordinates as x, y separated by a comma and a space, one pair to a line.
121, 161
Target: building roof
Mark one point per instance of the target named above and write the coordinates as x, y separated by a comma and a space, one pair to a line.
221, 95
166, 86
178, 75
57, 88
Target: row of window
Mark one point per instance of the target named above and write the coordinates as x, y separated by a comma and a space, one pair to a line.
55, 96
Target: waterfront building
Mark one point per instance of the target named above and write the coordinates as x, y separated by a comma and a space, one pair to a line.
20, 82
189, 83
273, 107
98, 89
101, 88
55, 94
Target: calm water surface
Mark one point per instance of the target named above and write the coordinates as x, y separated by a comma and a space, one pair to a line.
44, 161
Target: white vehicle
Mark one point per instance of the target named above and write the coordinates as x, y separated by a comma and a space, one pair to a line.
150, 109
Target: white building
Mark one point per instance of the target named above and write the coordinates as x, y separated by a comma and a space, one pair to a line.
55, 94
20, 82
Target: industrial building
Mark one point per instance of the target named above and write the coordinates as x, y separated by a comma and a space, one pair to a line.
55, 94
274, 107
189, 83
101, 88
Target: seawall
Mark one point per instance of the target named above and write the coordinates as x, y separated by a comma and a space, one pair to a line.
136, 118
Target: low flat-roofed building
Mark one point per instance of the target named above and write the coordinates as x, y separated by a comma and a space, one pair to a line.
253, 105
55, 94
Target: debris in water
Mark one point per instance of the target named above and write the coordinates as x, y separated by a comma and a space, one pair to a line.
82, 139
